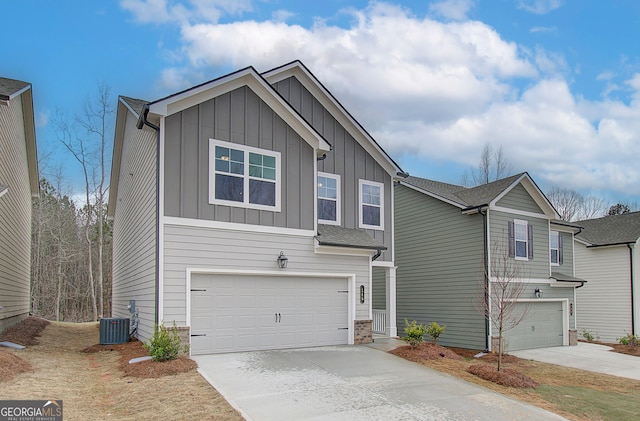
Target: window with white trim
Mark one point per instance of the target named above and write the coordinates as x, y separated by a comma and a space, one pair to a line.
555, 248
243, 176
328, 198
520, 240
371, 205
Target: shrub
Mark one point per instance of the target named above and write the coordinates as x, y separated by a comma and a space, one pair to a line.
587, 335
434, 330
165, 343
628, 339
414, 333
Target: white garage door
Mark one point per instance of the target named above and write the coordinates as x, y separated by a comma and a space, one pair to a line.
232, 313
541, 328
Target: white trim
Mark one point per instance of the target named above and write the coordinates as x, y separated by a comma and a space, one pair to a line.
4, 191
338, 180
520, 212
342, 251
315, 194
392, 201
362, 182
530, 185
546, 281
245, 177
508, 189
551, 233
351, 286
565, 313
234, 226
383, 264
517, 222
161, 219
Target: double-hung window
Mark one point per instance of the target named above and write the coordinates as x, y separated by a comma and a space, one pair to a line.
328, 198
243, 176
520, 240
371, 205
555, 248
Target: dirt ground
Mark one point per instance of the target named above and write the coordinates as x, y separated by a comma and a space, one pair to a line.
93, 385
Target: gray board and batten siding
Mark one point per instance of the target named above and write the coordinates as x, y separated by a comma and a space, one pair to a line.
439, 278
240, 117
347, 159
15, 216
134, 229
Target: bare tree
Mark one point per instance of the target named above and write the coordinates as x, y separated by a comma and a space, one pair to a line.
573, 206
493, 166
498, 301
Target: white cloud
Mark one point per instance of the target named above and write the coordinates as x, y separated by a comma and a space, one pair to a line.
543, 29
281, 15
539, 7
174, 11
42, 118
452, 9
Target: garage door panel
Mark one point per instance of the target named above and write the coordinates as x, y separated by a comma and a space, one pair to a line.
241, 313
542, 327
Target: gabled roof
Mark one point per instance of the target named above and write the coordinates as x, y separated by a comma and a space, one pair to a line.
610, 230
337, 236
483, 195
10, 89
321, 93
134, 105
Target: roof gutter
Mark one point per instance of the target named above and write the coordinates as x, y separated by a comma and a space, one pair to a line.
485, 244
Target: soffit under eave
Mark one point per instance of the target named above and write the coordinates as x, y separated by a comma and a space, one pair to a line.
30, 139
329, 102
251, 79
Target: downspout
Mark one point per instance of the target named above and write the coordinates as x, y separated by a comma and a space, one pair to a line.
375, 256
486, 277
142, 121
633, 321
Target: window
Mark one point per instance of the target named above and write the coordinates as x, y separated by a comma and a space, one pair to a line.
371, 205
243, 176
329, 198
520, 240
555, 247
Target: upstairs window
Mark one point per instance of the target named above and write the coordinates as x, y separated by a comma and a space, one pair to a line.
328, 198
243, 176
555, 248
371, 205
520, 240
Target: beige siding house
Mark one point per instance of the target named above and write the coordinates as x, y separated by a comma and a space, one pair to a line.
448, 238
252, 211
608, 257
18, 184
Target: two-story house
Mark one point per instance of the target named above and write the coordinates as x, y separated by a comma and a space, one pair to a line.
18, 184
454, 243
251, 210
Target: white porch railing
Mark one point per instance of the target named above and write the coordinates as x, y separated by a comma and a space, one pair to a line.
379, 321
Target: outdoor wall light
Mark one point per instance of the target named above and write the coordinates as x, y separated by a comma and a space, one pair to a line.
361, 294
538, 293
282, 260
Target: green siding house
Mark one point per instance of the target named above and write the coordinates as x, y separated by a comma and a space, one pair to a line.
452, 244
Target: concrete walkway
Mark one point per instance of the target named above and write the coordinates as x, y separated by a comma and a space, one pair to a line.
351, 383
586, 356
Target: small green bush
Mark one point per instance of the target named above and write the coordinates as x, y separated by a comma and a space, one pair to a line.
434, 330
165, 343
414, 333
628, 339
587, 335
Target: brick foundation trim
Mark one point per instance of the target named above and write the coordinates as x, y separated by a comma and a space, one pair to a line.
362, 332
573, 337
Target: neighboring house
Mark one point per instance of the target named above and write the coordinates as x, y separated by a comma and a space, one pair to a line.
18, 183
211, 185
447, 236
608, 256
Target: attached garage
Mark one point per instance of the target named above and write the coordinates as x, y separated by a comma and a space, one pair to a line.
231, 312
543, 326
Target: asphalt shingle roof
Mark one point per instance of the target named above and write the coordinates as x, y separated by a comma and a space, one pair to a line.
135, 104
333, 235
613, 229
9, 87
467, 197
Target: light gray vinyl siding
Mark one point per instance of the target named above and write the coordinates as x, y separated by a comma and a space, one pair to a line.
379, 281
567, 255
15, 216
605, 300
217, 249
518, 198
240, 117
134, 228
539, 266
439, 254
348, 159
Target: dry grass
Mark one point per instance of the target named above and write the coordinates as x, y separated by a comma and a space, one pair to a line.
94, 386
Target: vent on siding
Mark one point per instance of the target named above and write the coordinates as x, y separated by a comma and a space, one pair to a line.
114, 330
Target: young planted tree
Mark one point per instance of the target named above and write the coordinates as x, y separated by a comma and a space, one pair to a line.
503, 286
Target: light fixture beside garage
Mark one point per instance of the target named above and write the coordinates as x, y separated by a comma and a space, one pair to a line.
282, 260
361, 294
538, 293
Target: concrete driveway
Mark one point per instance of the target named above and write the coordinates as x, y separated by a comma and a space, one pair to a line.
351, 383
586, 356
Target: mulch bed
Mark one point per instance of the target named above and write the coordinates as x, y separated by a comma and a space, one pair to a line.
26, 332
11, 364
504, 377
425, 351
145, 369
626, 349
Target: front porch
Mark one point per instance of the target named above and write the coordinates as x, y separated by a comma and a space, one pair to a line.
383, 301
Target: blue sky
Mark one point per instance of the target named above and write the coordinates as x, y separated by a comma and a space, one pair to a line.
556, 83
